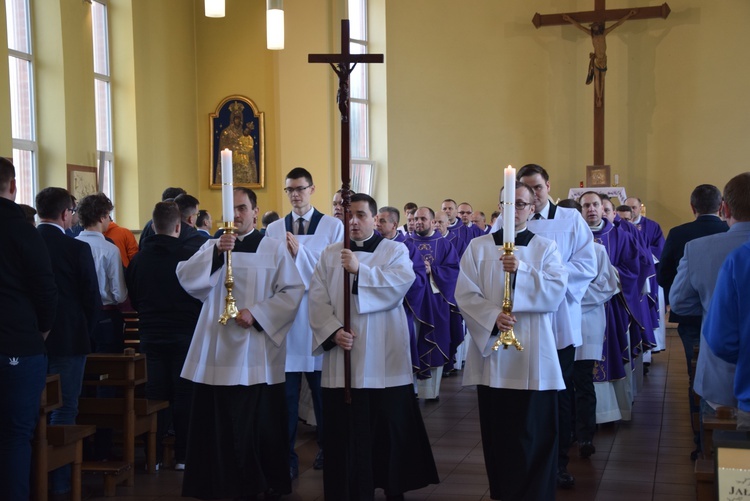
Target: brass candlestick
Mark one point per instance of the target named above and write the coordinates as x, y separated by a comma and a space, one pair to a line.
230, 310
507, 338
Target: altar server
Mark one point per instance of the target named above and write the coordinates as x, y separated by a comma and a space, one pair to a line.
517, 390
379, 440
238, 443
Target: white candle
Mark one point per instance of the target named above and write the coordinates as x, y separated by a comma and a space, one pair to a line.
617, 179
227, 194
509, 210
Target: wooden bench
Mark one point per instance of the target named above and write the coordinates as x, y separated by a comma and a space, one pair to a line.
55, 446
722, 421
132, 416
132, 335
704, 480
114, 472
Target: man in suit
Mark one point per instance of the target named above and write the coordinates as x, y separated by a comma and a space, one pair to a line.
77, 307
704, 202
694, 285
28, 302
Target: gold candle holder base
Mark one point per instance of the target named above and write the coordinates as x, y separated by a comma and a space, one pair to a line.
507, 338
230, 309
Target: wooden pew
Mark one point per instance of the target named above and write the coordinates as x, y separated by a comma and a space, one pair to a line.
56, 445
132, 416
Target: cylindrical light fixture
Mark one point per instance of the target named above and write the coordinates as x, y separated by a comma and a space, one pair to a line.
275, 24
214, 8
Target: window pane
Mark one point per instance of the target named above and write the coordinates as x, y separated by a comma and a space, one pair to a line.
361, 178
101, 99
21, 110
359, 132
17, 17
99, 28
23, 161
358, 19
358, 78
105, 171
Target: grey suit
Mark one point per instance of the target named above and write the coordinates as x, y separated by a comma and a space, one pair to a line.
691, 294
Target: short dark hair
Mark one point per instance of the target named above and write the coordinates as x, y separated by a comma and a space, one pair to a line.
269, 217
29, 212
624, 208
604, 196
203, 216
432, 212
172, 193
392, 211
94, 207
250, 195
187, 205
364, 197
7, 173
495, 214
530, 170
706, 199
410, 206
569, 203
52, 202
450, 200
165, 217
737, 196
299, 172
590, 193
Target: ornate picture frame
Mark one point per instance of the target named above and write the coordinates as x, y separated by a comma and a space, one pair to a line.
82, 181
598, 176
238, 125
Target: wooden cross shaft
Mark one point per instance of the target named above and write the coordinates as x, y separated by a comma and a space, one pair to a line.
343, 64
598, 59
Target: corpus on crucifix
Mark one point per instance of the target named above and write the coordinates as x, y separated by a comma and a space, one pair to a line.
598, 62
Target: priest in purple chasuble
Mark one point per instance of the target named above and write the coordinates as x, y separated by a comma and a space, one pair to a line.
441, 261
417, 308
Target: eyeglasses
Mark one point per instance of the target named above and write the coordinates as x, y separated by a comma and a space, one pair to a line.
522, 205
72, 211
298, 189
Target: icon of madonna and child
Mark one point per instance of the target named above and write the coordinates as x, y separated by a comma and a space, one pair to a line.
235, 129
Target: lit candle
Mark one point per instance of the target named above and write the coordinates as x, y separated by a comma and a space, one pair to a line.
509, 200
227, 195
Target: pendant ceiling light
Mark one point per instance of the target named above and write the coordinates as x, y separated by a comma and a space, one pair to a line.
214, 8
275, 24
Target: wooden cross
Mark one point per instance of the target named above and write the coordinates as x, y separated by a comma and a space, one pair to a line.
343, 64
598, 63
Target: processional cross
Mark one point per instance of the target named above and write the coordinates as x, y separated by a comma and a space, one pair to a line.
343, 64
598, 63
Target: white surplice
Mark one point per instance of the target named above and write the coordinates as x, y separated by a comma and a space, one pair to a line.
299, 357
593, 316
575, 242
267, 283
540, 286
380, 356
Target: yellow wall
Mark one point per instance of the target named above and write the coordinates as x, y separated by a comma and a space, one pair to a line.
474, 88
466, 89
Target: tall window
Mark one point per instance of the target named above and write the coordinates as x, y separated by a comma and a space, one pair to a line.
102, 95
23, 122
362, 165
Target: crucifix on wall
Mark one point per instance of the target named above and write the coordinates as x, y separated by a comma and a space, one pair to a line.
598, 32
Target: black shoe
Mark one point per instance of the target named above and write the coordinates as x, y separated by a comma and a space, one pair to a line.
394, 497
294, 472
318, 462
564, 479
272, 495
586, 449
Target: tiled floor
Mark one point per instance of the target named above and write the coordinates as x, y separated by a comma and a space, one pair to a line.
646, 458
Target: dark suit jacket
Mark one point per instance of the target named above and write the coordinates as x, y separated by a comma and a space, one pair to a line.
78, 289
674, 249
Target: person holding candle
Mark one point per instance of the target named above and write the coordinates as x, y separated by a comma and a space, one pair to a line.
517, 390
237, 442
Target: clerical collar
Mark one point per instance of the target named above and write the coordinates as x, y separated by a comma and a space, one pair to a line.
597, 227
369, 244
522, 239
519, 230
50, 223
455, 223
636, 221
362, 243
242, 237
